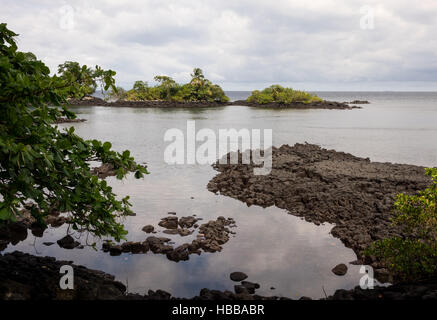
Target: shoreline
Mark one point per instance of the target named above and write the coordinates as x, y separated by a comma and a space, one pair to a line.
93, 101
28, 277
320, 185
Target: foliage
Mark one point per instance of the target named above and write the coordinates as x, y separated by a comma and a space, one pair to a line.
42, 165
84, 80
414, 255
117, 94
198, 89
279, 94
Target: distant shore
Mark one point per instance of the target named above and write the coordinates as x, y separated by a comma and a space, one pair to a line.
94, 101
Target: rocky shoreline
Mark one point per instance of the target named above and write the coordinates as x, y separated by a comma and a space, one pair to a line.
331, 105
322, 185
27, 277
93, 101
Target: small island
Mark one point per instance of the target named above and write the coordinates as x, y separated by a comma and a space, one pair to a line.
167, 93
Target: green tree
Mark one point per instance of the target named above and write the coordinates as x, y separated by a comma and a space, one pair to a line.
84, 80
414, 254
167, 87
43, 165
279, 94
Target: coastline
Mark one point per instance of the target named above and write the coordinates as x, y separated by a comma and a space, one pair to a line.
28, 277
322, 185
93, 101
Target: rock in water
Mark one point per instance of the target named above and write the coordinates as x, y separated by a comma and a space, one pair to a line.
238, 276
340, 269
169, 223
68, 242
148, 229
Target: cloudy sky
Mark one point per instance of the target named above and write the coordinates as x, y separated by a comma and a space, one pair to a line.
242, 45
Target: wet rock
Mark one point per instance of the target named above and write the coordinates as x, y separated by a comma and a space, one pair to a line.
56, 221
238, 276
157, 245
68, 242
187, 222
148, 229
326, 186
180, 253
250, 286
340, 269
135, 247
171, 231
115, 250
239, 289
169, 223
66, 120
27, 277
3, 244
184, 232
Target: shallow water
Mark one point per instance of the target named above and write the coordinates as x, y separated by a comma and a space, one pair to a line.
274, 248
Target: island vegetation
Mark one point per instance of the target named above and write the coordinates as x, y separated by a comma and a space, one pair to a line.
199, 89
281, 95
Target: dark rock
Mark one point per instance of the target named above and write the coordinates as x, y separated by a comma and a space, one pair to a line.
187, 222
169, 223
68, 242
239, 289
148, 229
48, 243
250, 286
171, 231
238, 276
326, 186
115, 250
340, 269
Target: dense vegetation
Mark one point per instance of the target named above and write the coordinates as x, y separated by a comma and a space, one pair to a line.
47, 167
84, 80
198, 89
279, 94
414, 255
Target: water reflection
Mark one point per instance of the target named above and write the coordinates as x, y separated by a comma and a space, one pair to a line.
274, 248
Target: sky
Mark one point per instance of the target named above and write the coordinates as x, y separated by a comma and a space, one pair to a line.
324, 45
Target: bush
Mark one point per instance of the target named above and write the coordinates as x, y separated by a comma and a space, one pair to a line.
414, 255
279, 94
198, 89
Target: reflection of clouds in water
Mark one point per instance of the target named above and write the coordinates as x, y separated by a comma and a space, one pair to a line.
272, 247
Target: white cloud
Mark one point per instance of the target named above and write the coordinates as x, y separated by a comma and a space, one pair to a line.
244, 44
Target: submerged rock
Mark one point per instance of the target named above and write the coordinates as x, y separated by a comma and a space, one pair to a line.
169, 222
238, 276
148, 229
68, 242
340, 269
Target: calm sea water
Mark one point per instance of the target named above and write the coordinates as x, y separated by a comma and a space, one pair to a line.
274, 248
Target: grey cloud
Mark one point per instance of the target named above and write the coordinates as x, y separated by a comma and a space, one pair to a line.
242, 44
